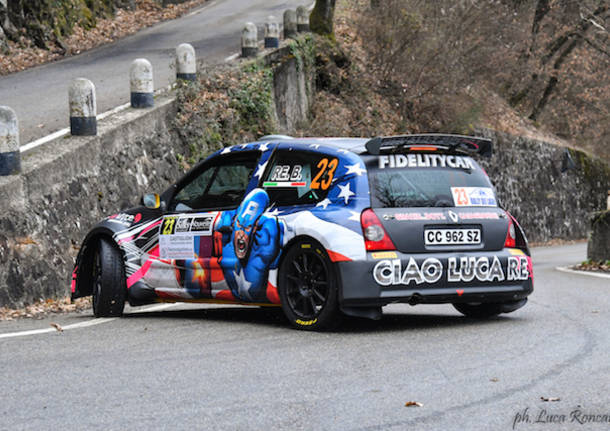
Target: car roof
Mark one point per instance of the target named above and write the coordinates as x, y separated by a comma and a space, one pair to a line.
355, 145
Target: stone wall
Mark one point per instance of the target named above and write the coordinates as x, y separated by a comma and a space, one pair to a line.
547, 202
67, 186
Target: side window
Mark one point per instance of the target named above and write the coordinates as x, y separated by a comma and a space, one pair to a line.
222, 183
297, 178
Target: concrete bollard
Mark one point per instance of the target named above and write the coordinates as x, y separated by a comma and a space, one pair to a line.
141, 83
290, 23
83, 108
10, 157
249, 40
302, 19
272, 33
186, 62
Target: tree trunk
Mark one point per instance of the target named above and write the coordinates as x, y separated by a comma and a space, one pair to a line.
321, 18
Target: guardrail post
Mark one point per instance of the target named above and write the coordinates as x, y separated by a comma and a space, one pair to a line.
302, 19
249, 40
83, 108
10, 157
290, 23
141, 83
186, 62
272, 33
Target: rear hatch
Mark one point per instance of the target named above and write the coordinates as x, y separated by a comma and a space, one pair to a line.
435, 203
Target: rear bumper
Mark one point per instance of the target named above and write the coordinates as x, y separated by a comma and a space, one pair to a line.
393, 277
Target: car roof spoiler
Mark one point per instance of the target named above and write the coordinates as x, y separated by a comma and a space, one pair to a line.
447, 143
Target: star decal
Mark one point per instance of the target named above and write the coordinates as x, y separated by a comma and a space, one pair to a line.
345, 192
355, 216
227, 150
323, 203
242, 284
261, 170
316, 146
355, 169
273, 212
264, 146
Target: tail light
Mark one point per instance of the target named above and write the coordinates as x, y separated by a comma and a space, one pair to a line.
511, 235
375, 236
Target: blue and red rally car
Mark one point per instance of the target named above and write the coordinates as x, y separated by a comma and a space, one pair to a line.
321, 227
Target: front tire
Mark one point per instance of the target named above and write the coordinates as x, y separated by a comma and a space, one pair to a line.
109, 290
308, 287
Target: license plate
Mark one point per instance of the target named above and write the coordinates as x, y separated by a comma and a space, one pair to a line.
452, 236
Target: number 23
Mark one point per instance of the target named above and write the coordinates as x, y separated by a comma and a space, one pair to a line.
325, 175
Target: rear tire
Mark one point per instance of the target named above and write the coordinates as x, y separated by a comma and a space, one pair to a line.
308, 287
479, 311
109, 289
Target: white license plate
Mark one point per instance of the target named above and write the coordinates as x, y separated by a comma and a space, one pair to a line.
452, 236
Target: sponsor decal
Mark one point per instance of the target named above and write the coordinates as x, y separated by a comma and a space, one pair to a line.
384, 255
471, 267
122, 218
473, 197
176, 247
453, 216
203, 225
518, 268
306, 322
425, 161
287, 173
479, 216
459, 270
183, 225
391, 272
179, 233
415, 216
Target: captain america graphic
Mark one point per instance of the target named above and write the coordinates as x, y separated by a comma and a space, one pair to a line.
251, 246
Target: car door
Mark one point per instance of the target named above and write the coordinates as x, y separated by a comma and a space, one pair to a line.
190, 245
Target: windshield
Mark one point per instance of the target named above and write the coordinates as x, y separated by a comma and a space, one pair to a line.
430, 186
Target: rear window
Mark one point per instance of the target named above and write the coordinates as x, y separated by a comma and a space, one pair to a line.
428, 180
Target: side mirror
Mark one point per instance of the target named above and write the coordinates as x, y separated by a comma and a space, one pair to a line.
151, 200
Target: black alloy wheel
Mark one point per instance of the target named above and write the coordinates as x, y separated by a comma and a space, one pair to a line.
307, 286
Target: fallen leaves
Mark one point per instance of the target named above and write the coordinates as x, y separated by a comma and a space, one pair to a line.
42, 308
57, 326
593, 266
550, 399
24, 54
413, 404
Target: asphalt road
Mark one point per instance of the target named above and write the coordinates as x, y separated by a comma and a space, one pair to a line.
233, 368
40, 95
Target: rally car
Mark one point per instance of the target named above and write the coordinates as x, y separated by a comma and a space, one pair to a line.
322, 227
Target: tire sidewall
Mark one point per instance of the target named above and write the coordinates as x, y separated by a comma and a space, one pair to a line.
329, 315
109, 300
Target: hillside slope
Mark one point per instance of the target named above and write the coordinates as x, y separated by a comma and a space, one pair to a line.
450, 66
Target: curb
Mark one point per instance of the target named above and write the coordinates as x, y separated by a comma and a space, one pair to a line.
589, 273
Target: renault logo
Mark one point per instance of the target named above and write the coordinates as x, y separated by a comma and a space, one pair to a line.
453, 216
